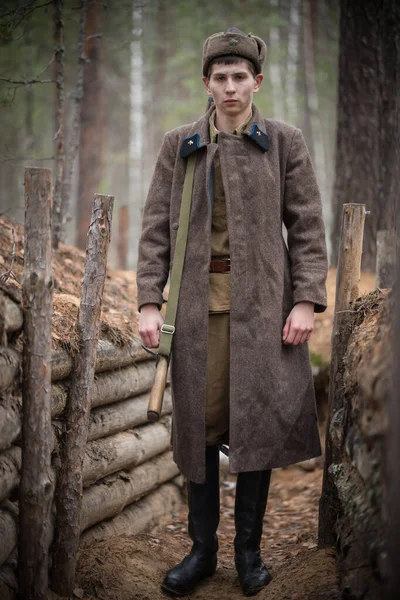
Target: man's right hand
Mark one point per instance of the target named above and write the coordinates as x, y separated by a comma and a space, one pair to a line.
150, 323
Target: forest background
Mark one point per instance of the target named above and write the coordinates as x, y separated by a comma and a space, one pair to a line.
142, 77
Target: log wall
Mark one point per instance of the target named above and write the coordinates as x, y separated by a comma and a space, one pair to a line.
361, 433
131, 482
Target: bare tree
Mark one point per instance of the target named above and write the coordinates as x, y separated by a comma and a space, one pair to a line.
73, 141
293, 53
92, 125
59, 136
361, 120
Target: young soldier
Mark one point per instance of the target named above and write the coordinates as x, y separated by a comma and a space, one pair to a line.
240, 370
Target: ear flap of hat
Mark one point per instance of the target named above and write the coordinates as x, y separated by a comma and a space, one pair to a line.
262, 48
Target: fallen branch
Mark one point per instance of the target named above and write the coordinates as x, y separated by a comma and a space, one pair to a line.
26, 81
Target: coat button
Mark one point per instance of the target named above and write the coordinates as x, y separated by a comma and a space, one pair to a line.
174, 226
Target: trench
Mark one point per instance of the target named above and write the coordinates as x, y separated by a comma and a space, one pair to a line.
132, 567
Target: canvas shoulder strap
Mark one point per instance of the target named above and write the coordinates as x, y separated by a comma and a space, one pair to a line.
168, 328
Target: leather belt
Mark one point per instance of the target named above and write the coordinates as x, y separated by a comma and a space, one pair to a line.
220, 265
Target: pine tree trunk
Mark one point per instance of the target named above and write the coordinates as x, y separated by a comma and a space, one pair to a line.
73, 139
293, 56
275, 68
91, 132
357, 145
59, 136
309, 40
137, 116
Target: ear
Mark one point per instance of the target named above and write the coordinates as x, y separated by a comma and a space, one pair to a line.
206, 81
257, 82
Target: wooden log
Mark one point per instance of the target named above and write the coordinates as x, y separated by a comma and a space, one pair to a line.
8, 583
108, 388
10, 420
137, 517
125, 450
10, 467
111, 386
59, 395
13, 319
392, 450
385, 258
111, 495
123, 415
37, 485
9, 367
3, 331
347, 280
131, 447
8, 530
70, 483
108, 357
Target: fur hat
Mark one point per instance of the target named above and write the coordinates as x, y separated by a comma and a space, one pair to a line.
234, 42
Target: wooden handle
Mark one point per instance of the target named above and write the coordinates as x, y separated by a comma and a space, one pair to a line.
157, 391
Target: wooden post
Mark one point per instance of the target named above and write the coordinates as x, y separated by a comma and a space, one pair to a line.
385, 258
123, 235
37, 485
69, 484
392, 474
347, 279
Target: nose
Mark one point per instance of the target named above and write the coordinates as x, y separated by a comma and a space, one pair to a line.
230, 87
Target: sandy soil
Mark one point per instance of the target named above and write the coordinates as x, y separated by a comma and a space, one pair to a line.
131, 568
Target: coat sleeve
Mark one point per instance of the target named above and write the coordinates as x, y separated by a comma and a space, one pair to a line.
154, 244
302, 216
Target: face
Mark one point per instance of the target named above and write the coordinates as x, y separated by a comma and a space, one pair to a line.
232, 87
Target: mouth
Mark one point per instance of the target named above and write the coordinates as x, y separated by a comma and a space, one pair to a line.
230, 101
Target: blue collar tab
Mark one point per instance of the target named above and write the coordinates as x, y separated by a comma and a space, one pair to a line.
259, 137
190, 145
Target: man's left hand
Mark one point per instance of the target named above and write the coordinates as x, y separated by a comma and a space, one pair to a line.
299, 324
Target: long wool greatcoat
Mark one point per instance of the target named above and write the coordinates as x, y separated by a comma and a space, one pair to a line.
268, 179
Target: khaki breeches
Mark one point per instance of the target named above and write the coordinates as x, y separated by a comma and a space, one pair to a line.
217, 394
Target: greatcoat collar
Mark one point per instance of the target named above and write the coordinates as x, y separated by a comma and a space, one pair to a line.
199, 134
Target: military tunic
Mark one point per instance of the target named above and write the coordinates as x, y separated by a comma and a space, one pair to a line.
217, 393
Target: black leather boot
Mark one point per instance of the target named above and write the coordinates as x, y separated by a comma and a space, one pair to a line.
250, 503
203, 519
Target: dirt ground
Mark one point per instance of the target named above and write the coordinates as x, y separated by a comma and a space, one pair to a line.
131, 568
